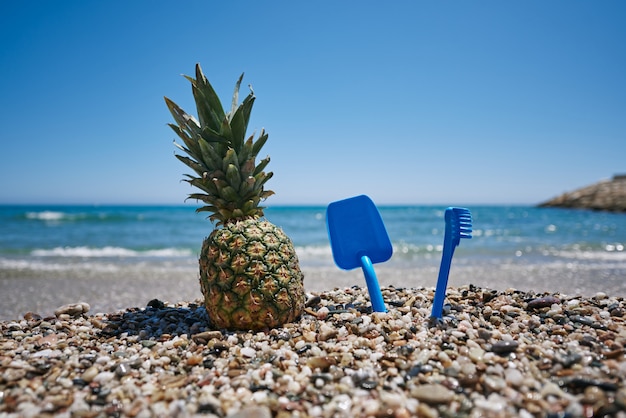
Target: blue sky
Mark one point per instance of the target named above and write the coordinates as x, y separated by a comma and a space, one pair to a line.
420, 102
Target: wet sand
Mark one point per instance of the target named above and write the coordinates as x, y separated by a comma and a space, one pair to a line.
43, 292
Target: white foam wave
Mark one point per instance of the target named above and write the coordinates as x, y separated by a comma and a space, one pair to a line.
406, 248
23, 265
84, 267
168, 252
313, 251
404, 251
594, 255
88, 252
46, 215
34, 265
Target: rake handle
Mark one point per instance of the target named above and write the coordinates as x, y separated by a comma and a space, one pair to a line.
442, 280
376, 296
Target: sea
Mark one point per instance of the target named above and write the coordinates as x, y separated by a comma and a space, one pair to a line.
61, 248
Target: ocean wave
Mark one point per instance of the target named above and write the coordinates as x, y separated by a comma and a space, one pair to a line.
401, 249
89, 267
23, 264
56, 217
47, 215
88, 252
313, 251
593, 255
413, 249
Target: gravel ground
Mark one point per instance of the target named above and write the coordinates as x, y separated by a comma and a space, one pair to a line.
496, 354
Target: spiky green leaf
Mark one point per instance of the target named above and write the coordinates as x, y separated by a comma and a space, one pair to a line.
258, 144
199, 168
239, 118
230, 159
235, 100
207, 101
210, 158
247, 168
261, 179
205, 186
228, 193
184, 120
233, 177
247, 187
262, 164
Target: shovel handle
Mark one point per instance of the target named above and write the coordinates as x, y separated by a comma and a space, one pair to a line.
376, 296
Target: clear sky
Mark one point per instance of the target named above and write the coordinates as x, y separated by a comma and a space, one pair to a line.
420, 102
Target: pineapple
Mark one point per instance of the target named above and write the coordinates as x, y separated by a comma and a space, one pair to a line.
249, 271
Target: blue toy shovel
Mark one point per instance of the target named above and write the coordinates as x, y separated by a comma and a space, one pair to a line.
358, 238
458, 225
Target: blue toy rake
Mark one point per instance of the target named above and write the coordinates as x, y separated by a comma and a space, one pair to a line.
458, 225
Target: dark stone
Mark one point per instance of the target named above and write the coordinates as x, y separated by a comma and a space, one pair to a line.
303, 349
504, 347
414, 371
368, 384
484, 334
544, 302
434, 322
79, 382
157, 304
587, 321
570, 359
313, 301
582, 383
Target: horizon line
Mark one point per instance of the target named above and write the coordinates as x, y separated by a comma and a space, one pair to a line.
293, 204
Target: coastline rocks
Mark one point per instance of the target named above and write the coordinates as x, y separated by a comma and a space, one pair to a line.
606, 195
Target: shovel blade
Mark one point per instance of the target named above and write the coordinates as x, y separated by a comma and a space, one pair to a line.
356, 229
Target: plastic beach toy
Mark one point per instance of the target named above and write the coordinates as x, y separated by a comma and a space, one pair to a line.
458, 225
358, 238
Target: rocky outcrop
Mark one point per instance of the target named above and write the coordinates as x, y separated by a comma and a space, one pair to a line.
607, 195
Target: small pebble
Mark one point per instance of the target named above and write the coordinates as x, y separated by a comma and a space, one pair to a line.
253, 412
248, 352
89, 374
72, 310
544, 302
476, 354
104, 377
514, 377
504, 347
433, 394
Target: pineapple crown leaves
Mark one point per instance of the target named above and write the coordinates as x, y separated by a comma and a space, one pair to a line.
224, 161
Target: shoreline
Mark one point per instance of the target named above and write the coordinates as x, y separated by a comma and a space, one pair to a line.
108, 291
503, 353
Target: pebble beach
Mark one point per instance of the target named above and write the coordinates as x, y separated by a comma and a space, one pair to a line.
497, 353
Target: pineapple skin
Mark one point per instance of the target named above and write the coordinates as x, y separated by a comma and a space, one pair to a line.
250, 276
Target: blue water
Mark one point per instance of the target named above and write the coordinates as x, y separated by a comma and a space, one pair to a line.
517, 246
